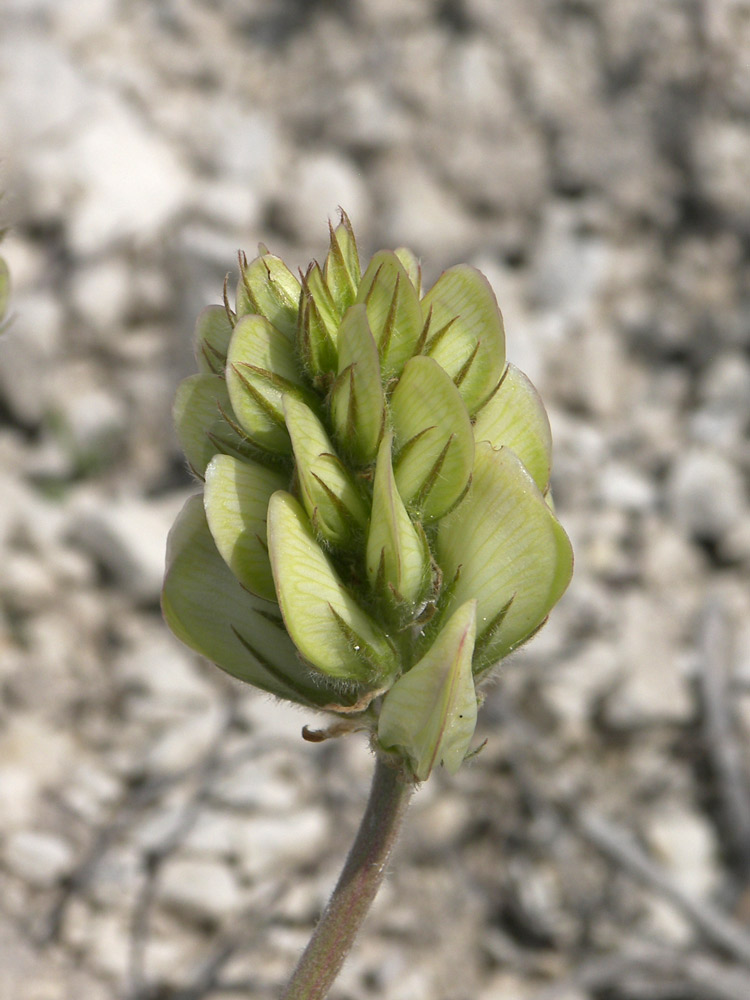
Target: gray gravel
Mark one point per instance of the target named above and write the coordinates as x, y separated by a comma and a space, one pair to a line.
165, 833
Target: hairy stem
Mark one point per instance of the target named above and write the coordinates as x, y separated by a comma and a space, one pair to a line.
356, 888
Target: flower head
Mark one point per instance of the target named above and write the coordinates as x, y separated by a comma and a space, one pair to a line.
375, 530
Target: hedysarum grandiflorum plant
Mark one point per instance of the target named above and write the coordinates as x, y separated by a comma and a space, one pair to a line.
375, 531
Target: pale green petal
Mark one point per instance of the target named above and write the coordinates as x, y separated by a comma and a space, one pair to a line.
325, 622
515, 418
332, 500
433, 436
431, 711
512, 553
236, 500
268, 288
261, 367
357, 400
396, 553
342, 270
213, 331
207, 609
393, 310
202, 412
472, 347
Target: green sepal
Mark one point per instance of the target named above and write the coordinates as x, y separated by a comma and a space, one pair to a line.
466, 335
268, 288
207, 608
213, 331
332, 500
236, 499
4, 289
204, 423
430, 713
342, 271
433, 437
393, 310
514, 417
357, 398
411, 265
326, 624
398, 561
261, 367
512, 553
318, 323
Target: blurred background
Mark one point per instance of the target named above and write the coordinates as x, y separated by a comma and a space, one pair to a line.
165, 834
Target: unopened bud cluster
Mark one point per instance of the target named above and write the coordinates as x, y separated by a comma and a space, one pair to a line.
374, 532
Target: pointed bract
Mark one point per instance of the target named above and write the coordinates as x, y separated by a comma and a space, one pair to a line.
466, 335
433, 439
397, 557
393, 310
325, 622
342, 271
412, 267
512, 553
430, 713
331, 499
357, 399
213, 331
319, 320
268, 288
236, 500
261, 367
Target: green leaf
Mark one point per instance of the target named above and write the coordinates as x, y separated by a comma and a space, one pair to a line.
514, 417
202, 414
207, 609
325, 622
512, 553
342, 271
393, 310
268, 288
397, 556
431, 711
357, 399
330, 496
434, 438
466, 335
236, 500
213, 331
261, 367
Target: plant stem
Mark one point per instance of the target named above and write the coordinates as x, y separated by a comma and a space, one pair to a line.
356, 888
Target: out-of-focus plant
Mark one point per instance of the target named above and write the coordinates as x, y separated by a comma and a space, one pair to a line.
375, 530
4, 289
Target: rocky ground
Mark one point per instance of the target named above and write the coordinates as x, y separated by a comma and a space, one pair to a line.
165, 834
